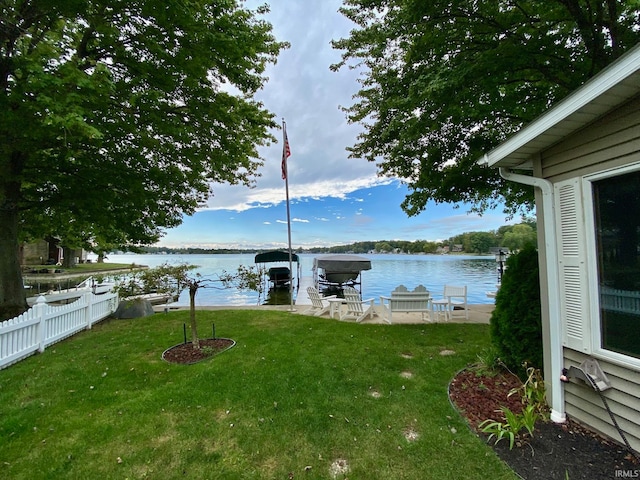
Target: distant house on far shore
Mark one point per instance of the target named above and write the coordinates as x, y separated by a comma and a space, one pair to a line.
443, 249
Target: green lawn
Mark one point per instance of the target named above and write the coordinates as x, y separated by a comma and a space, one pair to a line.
294, 397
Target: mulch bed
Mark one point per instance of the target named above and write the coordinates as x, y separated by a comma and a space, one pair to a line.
186, 354
556, 451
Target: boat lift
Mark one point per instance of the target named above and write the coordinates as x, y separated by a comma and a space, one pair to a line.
331, 273
278, 277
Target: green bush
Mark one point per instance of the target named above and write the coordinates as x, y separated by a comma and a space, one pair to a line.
516, 330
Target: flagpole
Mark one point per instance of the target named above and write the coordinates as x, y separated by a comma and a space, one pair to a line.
285, 174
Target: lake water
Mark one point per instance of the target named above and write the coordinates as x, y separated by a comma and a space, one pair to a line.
387, 272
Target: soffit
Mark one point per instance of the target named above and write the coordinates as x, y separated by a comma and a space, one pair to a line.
610, 88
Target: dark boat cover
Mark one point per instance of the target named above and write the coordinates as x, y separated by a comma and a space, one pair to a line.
275, 256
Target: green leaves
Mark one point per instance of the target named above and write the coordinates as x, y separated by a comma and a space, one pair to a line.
117, 117
512, 425
445, 81
125, 95
516, 329
534, 408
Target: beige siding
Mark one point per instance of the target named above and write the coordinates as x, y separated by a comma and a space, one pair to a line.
610, 142
585, 405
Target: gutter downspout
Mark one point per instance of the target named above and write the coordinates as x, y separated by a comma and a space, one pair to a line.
553, 288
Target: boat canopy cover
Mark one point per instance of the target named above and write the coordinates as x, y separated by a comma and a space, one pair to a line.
342, 263
275, 256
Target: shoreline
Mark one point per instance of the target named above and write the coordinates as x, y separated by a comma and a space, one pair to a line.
478, 313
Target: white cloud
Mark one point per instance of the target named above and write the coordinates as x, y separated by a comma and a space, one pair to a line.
303, 90
237, 198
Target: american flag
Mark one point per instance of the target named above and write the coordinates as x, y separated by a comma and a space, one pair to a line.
286, 153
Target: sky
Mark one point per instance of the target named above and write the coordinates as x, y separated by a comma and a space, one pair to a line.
334, 200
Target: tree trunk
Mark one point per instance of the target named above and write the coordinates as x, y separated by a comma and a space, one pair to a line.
101, 258
193, 288
69, 260
12, 294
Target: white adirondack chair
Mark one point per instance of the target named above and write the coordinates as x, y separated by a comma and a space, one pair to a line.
452, 297
319, 304
357, 308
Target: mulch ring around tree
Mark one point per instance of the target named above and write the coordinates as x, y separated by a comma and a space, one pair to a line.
555, 451
185, 354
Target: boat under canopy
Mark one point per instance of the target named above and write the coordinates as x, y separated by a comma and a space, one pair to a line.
333, 272
278, 276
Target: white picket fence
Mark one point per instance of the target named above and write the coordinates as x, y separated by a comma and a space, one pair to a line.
623, 301
43, 325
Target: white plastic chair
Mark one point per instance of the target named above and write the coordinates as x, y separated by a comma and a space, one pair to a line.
357, 308
319, 304
454, 299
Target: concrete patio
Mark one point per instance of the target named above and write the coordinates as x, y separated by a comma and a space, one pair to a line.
479, 313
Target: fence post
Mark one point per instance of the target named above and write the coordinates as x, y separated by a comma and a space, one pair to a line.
88, 309
39, 312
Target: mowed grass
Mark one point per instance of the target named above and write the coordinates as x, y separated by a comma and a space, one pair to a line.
297, 397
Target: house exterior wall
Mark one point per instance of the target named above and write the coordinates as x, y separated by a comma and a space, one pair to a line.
584, 404
611, 142
34, 253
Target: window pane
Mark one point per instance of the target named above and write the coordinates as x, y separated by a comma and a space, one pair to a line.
617, 219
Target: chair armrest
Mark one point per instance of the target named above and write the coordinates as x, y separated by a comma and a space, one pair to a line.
369, 300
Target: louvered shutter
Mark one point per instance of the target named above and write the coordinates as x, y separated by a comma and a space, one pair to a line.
571, 242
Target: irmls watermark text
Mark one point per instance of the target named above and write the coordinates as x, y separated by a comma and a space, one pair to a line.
627, 473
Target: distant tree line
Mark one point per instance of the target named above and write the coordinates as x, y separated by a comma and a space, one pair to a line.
513, 237
191, 250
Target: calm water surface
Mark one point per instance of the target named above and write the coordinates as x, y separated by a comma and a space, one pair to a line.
387, 272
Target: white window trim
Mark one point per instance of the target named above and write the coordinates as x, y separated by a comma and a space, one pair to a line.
592, 266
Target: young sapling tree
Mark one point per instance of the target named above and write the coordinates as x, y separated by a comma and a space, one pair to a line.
173, 279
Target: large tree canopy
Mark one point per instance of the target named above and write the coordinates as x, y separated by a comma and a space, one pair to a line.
118, 115
444, 81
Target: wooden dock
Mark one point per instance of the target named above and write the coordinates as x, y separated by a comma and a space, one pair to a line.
302, 298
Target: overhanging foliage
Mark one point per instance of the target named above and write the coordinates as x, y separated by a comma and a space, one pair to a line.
118, 116
444, 81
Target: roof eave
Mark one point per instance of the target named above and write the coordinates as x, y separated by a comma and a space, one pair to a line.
614, 85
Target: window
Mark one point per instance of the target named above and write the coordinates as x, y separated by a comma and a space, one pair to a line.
616, 207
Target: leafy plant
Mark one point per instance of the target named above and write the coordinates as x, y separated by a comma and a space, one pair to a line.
510, 428
489, 363
529, 417
532, 394
512, 425
533, 391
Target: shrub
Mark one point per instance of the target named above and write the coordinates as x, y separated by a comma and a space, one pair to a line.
516, 326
